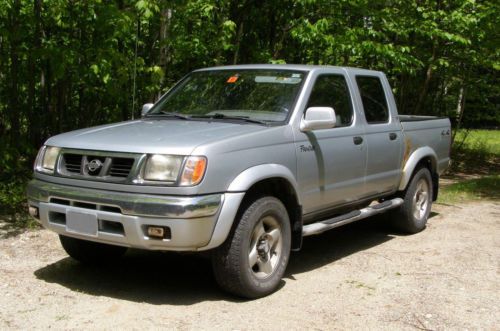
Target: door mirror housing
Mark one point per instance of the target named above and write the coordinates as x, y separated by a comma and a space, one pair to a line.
317, 118
145, 108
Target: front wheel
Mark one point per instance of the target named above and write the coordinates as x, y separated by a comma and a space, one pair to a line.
253, 259
412, 215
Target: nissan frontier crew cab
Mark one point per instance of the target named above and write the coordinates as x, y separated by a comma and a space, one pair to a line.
242, 161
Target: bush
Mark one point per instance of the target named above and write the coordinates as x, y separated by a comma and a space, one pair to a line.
15, 174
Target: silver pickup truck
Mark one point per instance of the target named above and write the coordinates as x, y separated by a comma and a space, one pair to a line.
243, 162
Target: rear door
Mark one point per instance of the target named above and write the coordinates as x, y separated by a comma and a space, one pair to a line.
331, 162
383, 136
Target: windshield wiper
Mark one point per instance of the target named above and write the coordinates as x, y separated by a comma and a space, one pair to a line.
163, 113
218, 116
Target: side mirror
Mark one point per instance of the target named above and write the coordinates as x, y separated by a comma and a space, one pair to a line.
317, 118
146, 107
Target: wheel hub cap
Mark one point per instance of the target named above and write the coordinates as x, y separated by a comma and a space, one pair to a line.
265, 247
421, 199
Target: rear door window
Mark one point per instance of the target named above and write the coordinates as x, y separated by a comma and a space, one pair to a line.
332, 91
373, 98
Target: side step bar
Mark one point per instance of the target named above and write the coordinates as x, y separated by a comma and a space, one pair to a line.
355, 215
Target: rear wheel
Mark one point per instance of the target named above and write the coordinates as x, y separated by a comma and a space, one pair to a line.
253, 259
412, 215
90, 252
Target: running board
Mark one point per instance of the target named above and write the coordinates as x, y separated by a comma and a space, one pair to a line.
355, 215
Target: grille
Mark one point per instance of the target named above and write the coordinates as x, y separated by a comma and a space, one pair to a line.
85, 165
94, 165
86, 205
73, 163
120, 167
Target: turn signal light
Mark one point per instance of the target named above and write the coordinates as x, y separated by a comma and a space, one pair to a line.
194, 170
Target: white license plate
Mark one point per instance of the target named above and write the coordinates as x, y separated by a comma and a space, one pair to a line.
81, 223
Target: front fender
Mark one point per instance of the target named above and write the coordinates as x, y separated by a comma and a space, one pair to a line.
236, 192
255, 174
412, 162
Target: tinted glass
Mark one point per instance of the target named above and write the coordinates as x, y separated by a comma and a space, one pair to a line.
332, 91
373, 98
265, 95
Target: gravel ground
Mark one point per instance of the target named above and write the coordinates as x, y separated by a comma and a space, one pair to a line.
361, 276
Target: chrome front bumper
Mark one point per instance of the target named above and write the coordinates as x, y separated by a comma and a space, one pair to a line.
194, 223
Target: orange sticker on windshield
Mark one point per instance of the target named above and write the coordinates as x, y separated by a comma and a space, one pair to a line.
232, 79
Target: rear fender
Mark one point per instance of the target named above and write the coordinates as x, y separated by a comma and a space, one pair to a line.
413, 160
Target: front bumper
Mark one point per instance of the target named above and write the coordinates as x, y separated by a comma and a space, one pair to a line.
193, 223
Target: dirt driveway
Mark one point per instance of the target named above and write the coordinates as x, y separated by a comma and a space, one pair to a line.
361, 276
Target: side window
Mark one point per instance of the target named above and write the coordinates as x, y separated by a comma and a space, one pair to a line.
373, 98
332, 91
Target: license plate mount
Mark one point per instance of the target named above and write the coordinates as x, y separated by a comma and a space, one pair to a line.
81, 223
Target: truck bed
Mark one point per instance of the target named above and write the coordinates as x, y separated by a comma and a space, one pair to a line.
431, 131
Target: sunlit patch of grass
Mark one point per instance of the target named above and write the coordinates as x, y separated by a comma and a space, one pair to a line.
486, 140
475, 152
487, 188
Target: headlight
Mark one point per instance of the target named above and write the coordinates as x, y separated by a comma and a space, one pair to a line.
46, 159
162, 167
166, 168
194, 170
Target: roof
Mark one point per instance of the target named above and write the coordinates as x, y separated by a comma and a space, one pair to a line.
299, 67
304, 67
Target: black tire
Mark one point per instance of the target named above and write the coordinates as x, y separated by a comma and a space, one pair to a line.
90, 252
411, 217
232, 260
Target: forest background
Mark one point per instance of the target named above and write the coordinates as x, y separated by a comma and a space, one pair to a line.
68, 64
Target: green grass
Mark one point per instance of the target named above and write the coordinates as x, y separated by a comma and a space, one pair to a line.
476, 152
485, 140
484, 188
475, 168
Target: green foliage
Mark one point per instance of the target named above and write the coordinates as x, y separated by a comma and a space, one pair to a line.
71, 64
13, 178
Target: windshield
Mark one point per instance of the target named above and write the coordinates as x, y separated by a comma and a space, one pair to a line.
261, 95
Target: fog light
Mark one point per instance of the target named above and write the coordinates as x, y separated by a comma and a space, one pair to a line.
33, 211
156, 232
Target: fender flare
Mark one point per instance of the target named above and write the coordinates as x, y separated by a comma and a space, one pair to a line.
413, 160
255, 174
235, 194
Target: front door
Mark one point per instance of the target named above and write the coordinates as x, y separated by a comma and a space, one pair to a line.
331, 162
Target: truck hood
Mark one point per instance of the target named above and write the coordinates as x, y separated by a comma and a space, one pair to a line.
162, 136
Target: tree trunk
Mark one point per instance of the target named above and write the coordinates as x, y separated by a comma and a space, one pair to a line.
163, 59
239, 37
33, 120
279, 44
460, 110
14, 95
427, 81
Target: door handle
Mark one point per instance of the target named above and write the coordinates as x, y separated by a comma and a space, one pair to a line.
393, 136
357, 140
